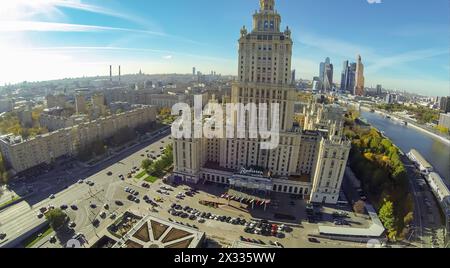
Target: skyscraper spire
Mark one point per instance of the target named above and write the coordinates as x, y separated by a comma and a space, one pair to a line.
359, 79
267, 5
267, 19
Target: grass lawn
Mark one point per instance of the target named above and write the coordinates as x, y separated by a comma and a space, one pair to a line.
9, 202
141, 175
33, 239
151, 179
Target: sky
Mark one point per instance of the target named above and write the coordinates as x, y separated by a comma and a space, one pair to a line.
404, 44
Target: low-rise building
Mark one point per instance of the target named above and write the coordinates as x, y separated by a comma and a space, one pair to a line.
25, 117
119, 106
22, 154
444, 120
6, 105
56, 101
54, 122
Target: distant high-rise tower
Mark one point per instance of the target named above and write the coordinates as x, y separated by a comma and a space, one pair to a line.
351, 78
119, 74
110, 73
445, 104
194, 71
344, 76
379, 90
293, 77
326, 74
359, 77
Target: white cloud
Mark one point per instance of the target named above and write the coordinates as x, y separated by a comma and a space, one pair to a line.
402, 58
39, 26
168, 57
26, 9
334, 46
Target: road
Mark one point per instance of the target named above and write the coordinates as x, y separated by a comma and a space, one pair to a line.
22, 217
427, 219
416, 191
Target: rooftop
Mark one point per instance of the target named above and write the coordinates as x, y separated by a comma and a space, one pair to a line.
375, 230
152, 232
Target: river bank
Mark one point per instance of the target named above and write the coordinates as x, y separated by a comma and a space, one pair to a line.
435, 150
412, 125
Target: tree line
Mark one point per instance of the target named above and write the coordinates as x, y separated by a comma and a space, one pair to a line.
377, 163
159, 167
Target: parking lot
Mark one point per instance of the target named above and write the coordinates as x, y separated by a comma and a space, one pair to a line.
94, 203
103, 197
227, 223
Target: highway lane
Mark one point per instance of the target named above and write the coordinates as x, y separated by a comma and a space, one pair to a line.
22, 217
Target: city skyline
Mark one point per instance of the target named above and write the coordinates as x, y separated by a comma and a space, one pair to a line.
88, 36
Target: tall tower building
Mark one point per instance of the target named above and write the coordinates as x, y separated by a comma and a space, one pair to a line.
445, 104
326, 74
120, 74
309, 160
379, 90
359, 77
344, 76
265, 64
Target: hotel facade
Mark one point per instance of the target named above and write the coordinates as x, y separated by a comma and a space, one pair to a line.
309, 161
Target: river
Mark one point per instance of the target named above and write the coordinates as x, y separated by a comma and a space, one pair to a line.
406, 138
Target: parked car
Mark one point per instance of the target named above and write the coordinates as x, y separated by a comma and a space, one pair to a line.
313, 240
96, 223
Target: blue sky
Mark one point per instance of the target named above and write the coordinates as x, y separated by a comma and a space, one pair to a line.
404, 43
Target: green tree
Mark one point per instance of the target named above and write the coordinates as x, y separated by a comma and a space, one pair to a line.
146, 164
386, 215
56, 218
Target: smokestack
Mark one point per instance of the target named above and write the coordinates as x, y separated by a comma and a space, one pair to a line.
119, 73
110, 73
